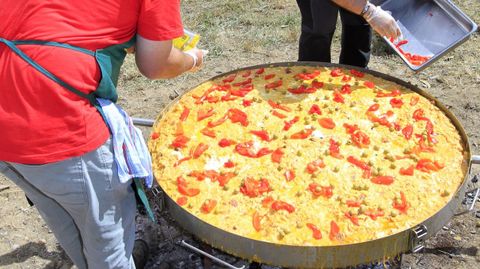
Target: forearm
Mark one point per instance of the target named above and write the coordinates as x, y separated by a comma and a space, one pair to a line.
354, 6
159, 60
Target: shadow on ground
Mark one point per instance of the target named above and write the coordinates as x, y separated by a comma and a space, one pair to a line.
57, 258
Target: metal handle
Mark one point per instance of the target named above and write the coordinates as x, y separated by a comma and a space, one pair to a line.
475, 159
417, 238
217, 260
143, 122
472, 205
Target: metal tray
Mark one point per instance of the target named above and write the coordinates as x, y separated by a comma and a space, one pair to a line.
432, 27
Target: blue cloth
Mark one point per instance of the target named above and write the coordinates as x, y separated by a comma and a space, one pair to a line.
129, 148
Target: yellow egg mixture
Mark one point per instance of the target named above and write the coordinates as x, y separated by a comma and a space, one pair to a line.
359, 162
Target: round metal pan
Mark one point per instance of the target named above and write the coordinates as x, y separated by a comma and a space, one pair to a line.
327, 256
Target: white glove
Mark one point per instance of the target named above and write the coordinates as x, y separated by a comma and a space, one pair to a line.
381, 21
198, 56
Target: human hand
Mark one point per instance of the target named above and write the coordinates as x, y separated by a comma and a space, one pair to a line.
382, 22
198, 56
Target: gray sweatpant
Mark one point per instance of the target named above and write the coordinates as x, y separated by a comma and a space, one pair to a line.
81, 199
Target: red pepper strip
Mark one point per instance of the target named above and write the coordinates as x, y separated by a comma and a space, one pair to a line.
185, 113
267, 201
356, 73
337, 72
262, 134
334, 230
289, 174
224, 178
326, 123
243, 83
213, 99
218, 122
362, 165
315, 109
383, 180
427, 165
246, 149
316, 233
318, 190
373, 107
230, 78
182, 187
274, 84
307, 76
369, 84
352, 218
407, 171
226, 142
354, 203
256, 221
389, 94
346, 78
337, 97
303, 134
278, 114
246, 102
181, 201
203, 114
418, 115
239, 93
277, 155
208, 206
360, 139
180, 141
154, 135
313, 166
236, 115
351, 129
229, 164
302, 89
346, 89
403, 205
254, 188
260, 71
201, 148
317, 84
177, 163
414, 100
281, 205
279, 106
396, 103
289, 124
208, 132
228, 97
269, 76
200, 176
374, 214
335, 149
407, 131
380, 120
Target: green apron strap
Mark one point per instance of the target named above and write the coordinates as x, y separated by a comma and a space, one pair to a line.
53, 44
140, 193
44, 71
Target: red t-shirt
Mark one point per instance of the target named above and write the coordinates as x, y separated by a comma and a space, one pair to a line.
40, 121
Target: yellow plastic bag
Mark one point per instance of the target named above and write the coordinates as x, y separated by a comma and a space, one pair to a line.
188, 41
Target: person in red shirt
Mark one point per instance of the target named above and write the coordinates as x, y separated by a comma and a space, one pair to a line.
56, 57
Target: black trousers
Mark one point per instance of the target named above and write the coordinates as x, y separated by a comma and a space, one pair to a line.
319, 18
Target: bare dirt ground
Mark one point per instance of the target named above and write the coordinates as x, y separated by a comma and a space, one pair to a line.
242, 33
